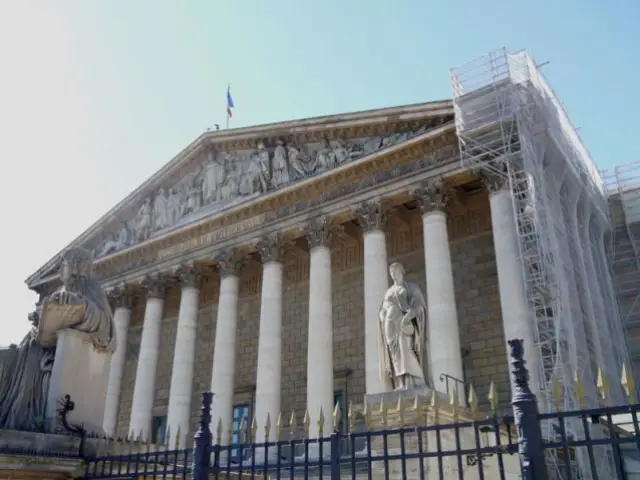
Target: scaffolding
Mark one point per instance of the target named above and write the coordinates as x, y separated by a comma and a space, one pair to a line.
511, 125
623, 189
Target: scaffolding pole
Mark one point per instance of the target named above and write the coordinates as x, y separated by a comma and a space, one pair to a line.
510, 124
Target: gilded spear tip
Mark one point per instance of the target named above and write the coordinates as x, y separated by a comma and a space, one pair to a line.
628, 384
293, 426
337, 416
493, 397
473, 400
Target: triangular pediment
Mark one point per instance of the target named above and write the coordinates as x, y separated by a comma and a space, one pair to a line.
216, 173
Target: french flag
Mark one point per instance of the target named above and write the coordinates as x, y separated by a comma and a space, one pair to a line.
230, 104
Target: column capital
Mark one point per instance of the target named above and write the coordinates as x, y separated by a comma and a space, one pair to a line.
432, 195
319, 232
271, 248
156, 286
121, 296
371, 215
229, 262
189, 274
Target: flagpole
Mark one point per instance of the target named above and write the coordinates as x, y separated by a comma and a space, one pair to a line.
228, 106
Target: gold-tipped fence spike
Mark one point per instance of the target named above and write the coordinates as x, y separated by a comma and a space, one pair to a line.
177, 439
351, 417
579, 389
366, 413
473, 400
383, 413
337, 416
293, 426
628, 384
557, 393
602, 385
400, 410
454, 404
219, 432
321, 423
267, 427
254, 429
243, 430
167, 436
306, 422
416, 403
279, 427
230, 435
493, 398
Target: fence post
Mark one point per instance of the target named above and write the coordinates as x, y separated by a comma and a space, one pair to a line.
525, 413
202, 441
335, 456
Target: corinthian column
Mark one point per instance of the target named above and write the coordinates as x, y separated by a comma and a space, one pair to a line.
268, 382
516, 321
144, 389
224, 351
320, 336
444, 334
371, 217
190, 276
121, 318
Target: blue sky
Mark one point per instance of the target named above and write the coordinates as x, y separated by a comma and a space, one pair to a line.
96, 96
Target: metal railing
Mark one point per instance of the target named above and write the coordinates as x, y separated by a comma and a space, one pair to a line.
437, 438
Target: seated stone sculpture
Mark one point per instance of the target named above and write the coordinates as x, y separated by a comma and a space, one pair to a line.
81, 305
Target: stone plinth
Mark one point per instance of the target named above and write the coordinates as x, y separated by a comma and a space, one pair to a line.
82, 372
406, 410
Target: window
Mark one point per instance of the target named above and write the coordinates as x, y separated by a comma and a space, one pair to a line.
338, 398
158, 429
240, 416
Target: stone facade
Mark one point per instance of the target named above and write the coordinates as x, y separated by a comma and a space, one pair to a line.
477, 297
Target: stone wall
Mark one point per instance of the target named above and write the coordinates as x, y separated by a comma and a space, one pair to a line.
477, 297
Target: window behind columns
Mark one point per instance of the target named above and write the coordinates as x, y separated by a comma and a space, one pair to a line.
158, 429
240, 416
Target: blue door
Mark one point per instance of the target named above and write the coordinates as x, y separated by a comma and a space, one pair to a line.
240, 416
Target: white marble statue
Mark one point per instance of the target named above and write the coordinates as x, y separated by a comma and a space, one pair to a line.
402, 333
263, 171
160, 217
144, 220
279, 165
25, 370
297, 162
213, 177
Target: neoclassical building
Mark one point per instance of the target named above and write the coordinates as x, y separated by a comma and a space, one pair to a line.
254, 263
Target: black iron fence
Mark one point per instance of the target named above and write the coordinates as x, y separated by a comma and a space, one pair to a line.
415, 440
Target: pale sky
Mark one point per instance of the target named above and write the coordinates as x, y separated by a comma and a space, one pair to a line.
95, 96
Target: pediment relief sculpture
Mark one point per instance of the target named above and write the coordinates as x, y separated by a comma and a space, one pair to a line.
225, 178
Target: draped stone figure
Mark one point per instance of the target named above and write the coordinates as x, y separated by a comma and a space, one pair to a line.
402, 340
80, 305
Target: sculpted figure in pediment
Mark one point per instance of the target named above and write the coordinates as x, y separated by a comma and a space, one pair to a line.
280, 166
262, 170
213, 176
325, 159
194, 199
230, 184
298, 160
160, 217
340, 152
144, 220
174, 205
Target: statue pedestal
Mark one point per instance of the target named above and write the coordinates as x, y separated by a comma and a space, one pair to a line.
450, 430
82, 372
